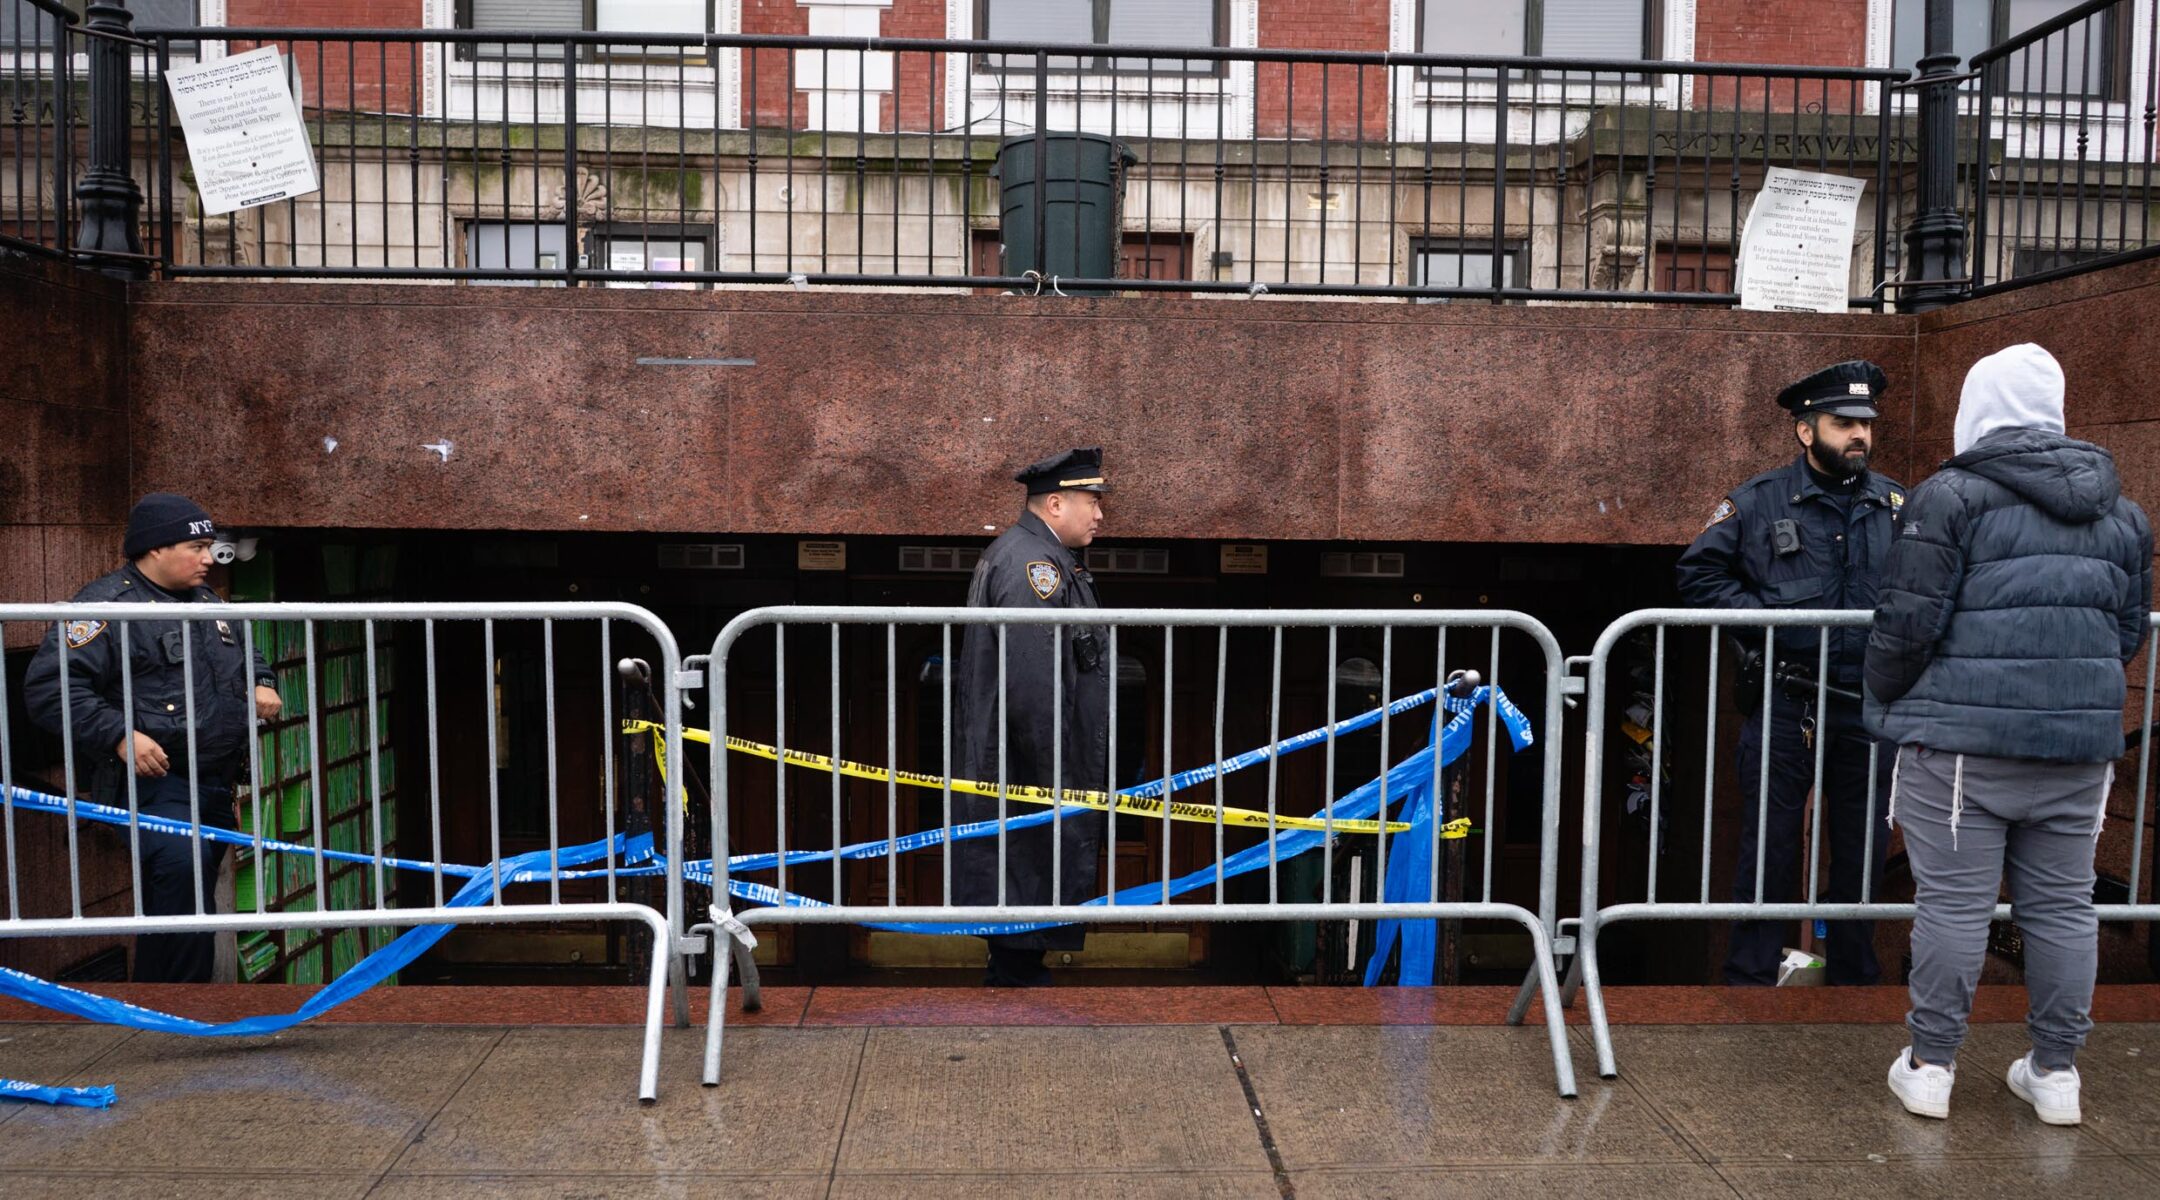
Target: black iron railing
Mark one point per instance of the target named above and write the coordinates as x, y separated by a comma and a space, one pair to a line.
39, 109
615, 158
2062, 181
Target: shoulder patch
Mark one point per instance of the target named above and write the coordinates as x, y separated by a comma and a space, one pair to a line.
1723, 511
82, 633
1044, 578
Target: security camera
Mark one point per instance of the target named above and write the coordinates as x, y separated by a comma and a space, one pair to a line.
227, 551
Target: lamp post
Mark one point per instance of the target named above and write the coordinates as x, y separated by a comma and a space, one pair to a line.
108, 204
1935, 270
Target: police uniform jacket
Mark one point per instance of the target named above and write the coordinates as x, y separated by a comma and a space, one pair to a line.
224, 679
1781, 541
1028, 568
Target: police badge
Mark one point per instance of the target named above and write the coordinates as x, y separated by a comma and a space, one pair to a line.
82, 633
1044, 578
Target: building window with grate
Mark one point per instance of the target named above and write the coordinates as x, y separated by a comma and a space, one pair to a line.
1623, 29
685, 17
1466, 264
2091, 58
1179, 23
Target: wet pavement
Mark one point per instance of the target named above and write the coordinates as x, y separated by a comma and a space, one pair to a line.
1079, 1092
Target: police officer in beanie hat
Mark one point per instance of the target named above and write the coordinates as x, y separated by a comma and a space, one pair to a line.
168, 548
1056, 699
1814, 533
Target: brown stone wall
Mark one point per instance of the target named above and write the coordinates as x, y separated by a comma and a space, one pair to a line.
63, 409
906, 414
63, 502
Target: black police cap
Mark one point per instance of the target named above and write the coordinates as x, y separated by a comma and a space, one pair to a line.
1848, 389
1075, 470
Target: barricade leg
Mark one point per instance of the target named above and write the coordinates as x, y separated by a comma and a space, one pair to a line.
753, 998
655, 1010
1555, 1024
1594, 997
678, 972
716, 1006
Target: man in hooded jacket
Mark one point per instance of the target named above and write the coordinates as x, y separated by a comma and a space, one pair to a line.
2016, 592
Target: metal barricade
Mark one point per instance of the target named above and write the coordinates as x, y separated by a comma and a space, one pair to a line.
1259, 659
344, 671
1805, 682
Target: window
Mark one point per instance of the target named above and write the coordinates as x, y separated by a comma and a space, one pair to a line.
950, 560
701, 556
2031, 260
20, 21
1695, 269
1454, 264
647, 248
1625, 29
507, 246
581, 16
1128, 560
1361, 564
1102, 23
2087, 59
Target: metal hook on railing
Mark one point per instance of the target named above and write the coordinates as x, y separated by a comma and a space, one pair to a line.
1257, 289
1037, 276
800, 282
1055, 290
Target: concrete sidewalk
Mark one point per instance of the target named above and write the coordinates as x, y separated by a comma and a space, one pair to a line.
906, 1102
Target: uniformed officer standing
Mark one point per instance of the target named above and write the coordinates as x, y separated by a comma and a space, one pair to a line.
168, 546
1815, 533
1055, 678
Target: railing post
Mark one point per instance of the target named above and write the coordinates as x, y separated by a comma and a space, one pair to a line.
1935, 243
109, 204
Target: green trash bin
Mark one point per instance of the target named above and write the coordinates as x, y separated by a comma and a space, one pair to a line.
1082, 190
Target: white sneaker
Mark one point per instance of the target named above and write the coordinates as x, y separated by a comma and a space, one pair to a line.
1923, 1090
2054, 1096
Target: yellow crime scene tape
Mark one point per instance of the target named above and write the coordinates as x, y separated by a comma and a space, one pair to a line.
1138, 806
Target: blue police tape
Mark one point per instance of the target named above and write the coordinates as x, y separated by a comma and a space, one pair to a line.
101, 1096
1407, 781
1518, 727
635, 857
1409, 879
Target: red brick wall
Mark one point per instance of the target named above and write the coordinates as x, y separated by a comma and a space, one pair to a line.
919, 77
1290, 100
368, 76
765, 73
1822, 33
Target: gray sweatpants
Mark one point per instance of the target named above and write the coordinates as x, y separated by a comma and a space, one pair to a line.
1970, 823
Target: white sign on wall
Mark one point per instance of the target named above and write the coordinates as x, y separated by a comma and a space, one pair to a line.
1796, 251
245, 137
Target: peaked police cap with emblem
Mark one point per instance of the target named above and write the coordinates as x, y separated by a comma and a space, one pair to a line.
1847, 389
1075, 470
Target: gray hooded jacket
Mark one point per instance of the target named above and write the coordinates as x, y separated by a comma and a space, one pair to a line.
2017, 587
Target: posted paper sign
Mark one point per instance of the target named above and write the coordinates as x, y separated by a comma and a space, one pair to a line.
1796, 253
244, 132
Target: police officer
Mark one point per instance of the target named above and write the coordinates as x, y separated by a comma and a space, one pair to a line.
1812, 534
1055, 679
168, 547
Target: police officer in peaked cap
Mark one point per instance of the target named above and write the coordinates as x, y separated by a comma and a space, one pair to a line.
1056, 712
168, 551
1814, 533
